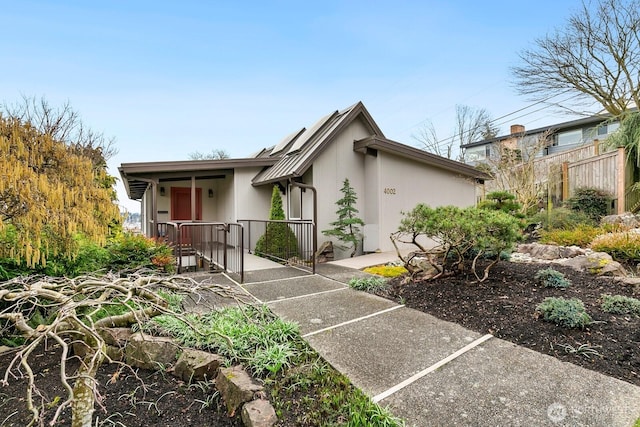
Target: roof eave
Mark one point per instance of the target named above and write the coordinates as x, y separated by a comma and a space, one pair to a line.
195, 165
409, 152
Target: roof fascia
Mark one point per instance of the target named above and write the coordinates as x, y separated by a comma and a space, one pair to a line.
402, 150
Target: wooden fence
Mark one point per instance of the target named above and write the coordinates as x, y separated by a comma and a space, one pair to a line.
562, 173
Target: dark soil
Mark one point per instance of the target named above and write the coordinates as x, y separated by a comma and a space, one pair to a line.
127, 397
505, 306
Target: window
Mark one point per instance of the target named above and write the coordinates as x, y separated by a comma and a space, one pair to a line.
294, 202
475, 154
568, 138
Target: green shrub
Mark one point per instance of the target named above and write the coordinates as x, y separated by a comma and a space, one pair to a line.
550, 278
620, 304
502, 201
461, 233
568, 313
368, 284
561, 219
593, 202
581, 236
278, 241
624, 246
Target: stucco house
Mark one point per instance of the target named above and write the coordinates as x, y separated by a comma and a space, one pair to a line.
310, 163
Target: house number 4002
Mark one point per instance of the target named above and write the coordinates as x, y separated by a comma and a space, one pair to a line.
389, 191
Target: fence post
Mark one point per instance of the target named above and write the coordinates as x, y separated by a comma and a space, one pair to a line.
565, 180
621, 180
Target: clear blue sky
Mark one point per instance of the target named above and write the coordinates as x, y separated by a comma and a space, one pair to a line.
167, 78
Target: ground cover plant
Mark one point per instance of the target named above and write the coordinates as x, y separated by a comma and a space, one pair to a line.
388, 270
505, 305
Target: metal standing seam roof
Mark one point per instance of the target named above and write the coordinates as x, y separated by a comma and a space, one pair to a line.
300, 157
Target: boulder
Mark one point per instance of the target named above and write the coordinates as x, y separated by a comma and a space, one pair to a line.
325, 252
627, 219
148, 352
117, 337
549, 252
236, 387
197, 365
115, 353
258, 413
598, 263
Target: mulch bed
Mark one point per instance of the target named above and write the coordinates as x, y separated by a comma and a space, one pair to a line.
127, 397
505, 306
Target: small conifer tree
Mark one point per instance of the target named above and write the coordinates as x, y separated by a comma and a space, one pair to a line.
347, 228
279, 241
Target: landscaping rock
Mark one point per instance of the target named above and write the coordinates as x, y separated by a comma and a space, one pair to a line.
148, 352
115, 353
599, 263
236, 387
117, 337
197, 365
420, 265
627, 219
258, 413
325, 253
549, 252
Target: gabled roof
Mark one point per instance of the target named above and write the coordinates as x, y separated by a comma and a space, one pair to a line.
408, 152
572, 124
308, 146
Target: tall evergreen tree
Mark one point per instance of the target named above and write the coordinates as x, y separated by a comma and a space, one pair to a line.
347, 228
278, 241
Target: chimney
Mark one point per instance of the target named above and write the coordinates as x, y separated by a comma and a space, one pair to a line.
517, 129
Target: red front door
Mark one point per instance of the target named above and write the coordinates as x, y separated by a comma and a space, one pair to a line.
181, 208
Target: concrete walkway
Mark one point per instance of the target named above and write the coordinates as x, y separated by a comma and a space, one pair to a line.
436, 373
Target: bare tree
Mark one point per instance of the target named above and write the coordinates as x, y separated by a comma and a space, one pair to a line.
514, 167
471, 125
596, 57
428, 139
63, 124
215, 154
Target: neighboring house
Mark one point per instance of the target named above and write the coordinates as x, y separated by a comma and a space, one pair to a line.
559, 137
388, 177
568, 156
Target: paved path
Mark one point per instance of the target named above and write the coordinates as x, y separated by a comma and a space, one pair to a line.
436, 373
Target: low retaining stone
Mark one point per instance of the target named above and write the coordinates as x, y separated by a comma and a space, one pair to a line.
236, 387
148, 352
258, 413
197, 365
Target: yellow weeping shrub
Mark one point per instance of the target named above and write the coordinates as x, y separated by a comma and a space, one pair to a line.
48, 194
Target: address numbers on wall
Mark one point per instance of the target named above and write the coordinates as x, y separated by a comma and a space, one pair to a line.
389, 190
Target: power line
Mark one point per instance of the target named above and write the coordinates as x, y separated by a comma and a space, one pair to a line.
444, 142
